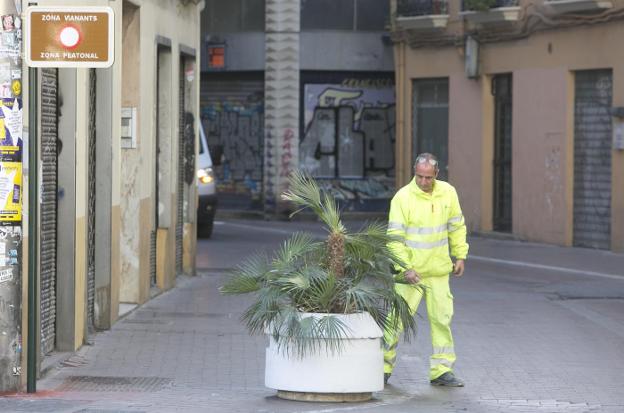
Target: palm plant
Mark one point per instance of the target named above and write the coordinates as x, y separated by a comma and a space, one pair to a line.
342, 274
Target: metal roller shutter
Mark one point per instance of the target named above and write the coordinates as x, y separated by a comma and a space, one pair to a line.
232, 112
91, 205
152, 266
179, 231
592, 159
49, 135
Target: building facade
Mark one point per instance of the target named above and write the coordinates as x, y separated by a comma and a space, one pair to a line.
116, 213
523, 102
289, 84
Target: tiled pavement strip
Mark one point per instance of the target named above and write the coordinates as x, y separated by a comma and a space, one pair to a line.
528, 341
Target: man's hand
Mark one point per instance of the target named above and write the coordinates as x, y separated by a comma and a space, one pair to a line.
411, 277
458, 269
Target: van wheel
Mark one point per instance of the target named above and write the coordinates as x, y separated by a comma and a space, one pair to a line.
205, 230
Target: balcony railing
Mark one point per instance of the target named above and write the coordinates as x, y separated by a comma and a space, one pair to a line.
413, 8
484, 5
484, 12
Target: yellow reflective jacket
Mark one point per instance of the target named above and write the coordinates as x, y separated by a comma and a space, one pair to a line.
428, 224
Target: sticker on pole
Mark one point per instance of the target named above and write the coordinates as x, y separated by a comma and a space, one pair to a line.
69, 36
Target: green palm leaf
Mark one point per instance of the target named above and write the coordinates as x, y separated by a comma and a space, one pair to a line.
302, 278
304, 192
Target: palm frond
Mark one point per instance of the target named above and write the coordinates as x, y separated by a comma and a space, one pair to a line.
265, 310
241, 284
247, 277
297, 246
304, 192
330, 214
293, 283
324, 293
310, 334
348, 273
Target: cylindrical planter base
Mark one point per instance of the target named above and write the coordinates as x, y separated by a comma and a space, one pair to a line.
349, 375
324, 397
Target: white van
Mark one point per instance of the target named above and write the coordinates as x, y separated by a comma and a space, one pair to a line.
206, 188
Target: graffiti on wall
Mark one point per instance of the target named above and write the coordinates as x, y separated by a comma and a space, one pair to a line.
349, 137
235, 133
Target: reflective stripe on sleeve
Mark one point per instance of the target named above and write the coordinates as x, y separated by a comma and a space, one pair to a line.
396, 226
426, 245
456, 219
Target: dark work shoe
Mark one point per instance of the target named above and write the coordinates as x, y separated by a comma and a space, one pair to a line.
447, 379
386, 377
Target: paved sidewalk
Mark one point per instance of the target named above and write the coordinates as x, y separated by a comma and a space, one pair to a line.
531, 336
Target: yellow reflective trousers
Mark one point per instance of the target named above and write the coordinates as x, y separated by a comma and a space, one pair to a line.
439, 301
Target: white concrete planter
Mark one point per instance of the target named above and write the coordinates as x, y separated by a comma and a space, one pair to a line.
351, 375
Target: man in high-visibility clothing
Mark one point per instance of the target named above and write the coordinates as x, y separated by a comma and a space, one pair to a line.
426, 216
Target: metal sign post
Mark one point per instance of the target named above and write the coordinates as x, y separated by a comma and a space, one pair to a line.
61, 37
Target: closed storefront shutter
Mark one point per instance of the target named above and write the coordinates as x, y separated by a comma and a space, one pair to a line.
592, 159
152, 266
91, 205
232, 113
179, 231
49, 135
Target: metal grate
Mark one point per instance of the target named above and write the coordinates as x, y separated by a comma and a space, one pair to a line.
48, 405
108, 411
49, 160
153, 258
179, 231
233, 119
91, 206
592, 158
502, 91
495, 4
409, 8
114, 384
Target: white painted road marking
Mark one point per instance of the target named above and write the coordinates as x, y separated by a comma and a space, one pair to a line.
546, 267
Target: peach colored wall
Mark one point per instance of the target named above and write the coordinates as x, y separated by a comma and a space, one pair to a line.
540, 150
543, 66
465, 155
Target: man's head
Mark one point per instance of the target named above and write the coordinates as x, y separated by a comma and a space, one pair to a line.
426, 171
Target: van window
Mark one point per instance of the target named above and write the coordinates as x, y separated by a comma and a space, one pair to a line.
202, 137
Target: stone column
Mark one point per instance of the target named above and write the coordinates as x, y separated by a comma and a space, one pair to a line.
281, 95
